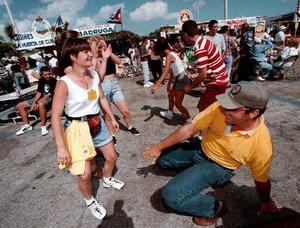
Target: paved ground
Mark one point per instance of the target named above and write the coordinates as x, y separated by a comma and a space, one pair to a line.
34, 193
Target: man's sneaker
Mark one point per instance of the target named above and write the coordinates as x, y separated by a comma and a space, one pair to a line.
24, 129
149, 84
261, 79
114, 141
97, 209
44, 130
134, 131
202, 221
112, 183
168, 114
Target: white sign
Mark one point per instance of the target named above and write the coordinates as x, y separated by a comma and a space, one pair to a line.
237, 22
96, 30
184, 15
28, 40
41, 27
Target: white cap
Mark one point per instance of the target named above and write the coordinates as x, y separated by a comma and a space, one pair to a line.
282, 27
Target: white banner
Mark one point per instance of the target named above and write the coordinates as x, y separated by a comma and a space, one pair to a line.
28, 40
237, 22
96, 30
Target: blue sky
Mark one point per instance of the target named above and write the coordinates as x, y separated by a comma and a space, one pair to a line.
139, 16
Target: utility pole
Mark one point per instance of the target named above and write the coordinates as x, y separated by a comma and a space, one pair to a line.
11, 16
225, 9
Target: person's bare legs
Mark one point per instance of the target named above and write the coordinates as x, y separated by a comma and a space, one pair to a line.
123, 108
97, 172
171, 98
108, 122
84, 181
110, 157
22, 108
179, 95
43, 112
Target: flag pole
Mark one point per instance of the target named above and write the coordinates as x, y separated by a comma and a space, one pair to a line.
11, 16
121, 19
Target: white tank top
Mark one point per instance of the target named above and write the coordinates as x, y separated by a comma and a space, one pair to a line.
77, 102
177, 67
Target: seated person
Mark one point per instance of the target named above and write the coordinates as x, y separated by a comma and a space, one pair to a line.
236, 135
291, 49
41, 101
6, 82
260, 46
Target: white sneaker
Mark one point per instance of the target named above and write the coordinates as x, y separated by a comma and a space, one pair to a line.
97, 209
44, 130
261, 79
149, 84
25, 128
112, 183
168, 114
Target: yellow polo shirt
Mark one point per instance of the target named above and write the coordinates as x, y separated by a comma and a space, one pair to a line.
253, 148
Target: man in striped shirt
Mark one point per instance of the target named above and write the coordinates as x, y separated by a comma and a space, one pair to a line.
211, 67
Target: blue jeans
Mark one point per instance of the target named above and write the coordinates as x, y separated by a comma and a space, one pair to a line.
182, 193
266, 67
228, 63
112, 90
146, 72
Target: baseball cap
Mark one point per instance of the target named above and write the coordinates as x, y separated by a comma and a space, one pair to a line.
282, 27
248, 95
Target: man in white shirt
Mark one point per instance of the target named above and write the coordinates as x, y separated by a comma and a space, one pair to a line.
291, 49
280, 36
215, 37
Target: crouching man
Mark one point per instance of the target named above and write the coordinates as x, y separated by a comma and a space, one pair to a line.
236, 135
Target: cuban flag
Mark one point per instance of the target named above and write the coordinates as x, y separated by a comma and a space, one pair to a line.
116, 17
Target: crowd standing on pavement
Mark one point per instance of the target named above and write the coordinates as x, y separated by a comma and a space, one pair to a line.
230, 118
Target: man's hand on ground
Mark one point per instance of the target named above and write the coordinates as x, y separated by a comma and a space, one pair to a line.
151, 153
269, 208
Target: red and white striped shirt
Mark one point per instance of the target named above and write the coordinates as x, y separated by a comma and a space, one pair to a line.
207, 55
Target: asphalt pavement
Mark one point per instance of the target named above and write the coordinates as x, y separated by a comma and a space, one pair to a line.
34, 193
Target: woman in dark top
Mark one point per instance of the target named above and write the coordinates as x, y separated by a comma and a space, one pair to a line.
155, 62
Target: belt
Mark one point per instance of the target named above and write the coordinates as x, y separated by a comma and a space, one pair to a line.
82, 118
110, 77
202, 154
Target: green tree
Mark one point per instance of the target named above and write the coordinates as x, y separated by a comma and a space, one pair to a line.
155, 34
7, 49
9, 30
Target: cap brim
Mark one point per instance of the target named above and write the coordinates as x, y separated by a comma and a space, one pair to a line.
227, 102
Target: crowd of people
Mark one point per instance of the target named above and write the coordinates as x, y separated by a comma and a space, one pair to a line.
230, 119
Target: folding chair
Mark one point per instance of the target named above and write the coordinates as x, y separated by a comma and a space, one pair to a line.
286, 65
